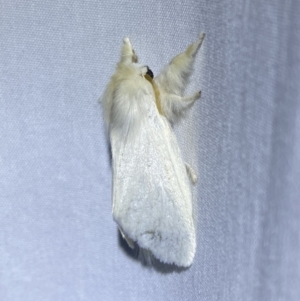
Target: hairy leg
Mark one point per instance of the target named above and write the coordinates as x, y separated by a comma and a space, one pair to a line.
127, 53
173, 105
174, 76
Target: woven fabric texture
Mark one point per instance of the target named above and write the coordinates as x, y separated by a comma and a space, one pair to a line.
57, 237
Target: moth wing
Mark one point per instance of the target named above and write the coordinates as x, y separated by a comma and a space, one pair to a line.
152, 201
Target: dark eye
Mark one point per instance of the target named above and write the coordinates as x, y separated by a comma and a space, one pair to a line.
149, 72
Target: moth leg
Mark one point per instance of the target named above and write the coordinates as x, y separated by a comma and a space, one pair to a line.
193, 48
127, 53
174, 77
191, 173
191, 98
174, 104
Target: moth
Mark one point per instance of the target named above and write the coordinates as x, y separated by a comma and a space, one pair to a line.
151, 194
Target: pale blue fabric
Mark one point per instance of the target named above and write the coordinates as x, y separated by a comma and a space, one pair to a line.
57, 237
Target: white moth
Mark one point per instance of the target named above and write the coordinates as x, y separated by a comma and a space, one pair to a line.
152, 200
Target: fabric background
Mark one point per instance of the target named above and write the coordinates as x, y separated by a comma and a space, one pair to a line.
57, 238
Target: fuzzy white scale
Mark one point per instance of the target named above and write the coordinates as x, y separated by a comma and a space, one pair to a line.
152, 200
